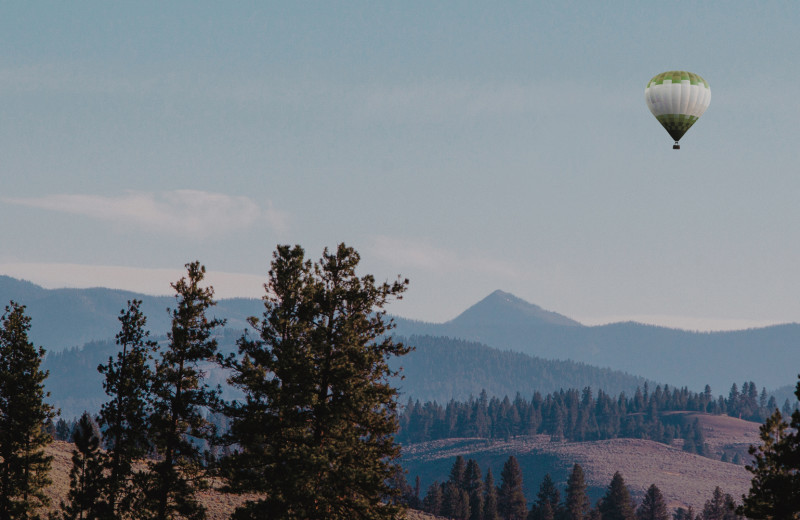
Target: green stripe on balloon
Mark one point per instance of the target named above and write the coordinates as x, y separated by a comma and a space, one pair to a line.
676, 124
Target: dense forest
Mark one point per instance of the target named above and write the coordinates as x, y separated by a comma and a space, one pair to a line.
581, 415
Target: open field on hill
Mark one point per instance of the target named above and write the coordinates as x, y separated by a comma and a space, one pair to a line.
219, 505
684, 478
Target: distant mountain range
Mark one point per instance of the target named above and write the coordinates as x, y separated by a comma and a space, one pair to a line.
769, 356
63, 318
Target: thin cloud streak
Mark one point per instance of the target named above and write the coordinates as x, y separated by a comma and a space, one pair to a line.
180, 212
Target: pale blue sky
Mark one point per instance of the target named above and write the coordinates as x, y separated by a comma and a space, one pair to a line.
470, 146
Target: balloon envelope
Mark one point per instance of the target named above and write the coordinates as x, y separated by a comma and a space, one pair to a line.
677, 98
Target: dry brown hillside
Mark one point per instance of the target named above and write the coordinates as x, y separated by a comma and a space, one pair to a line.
684, 479
219, 505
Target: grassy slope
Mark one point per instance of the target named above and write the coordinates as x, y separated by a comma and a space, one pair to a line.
219, 505
684, 479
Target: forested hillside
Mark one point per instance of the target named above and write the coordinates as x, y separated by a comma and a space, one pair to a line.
444, 368
439, 369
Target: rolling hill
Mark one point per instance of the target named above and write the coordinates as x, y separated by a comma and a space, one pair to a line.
219, 505
685, 479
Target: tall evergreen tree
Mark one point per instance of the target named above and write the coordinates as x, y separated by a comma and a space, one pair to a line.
653, 506
457, 472
490, 497
510, 498
455, 502
775, 487
473, 485
699, 439
576, 501
547, 504
542, 512
86, 482
722, 507
180, 398
616, 504
315, 432
124, 417
432, 503
548, 493
24, 466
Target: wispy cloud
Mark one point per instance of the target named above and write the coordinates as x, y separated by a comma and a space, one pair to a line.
405, 254
182, 212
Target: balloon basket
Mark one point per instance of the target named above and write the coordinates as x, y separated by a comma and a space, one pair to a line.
676, 146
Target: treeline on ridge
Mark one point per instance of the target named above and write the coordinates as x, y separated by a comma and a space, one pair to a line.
576, 415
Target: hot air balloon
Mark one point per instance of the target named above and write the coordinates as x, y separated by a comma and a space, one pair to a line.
677, 98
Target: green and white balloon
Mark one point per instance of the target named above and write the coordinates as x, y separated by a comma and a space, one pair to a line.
677, 98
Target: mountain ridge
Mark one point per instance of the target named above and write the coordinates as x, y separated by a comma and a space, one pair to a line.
71, 317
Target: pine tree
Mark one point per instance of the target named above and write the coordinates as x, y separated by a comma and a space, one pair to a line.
432, 503
179, 399
473, 485
24, 466
723, 507
653, 506
86, 482
548, 494
576, 501
699, 439
457, 472
774, 488
490, 497
543, 512
315, 432
125, 416
616, 504
455, 502
510, 498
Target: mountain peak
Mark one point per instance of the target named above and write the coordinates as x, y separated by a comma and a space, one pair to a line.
501, 306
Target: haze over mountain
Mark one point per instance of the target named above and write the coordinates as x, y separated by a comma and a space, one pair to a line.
769, 356
63, 318
438, 369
